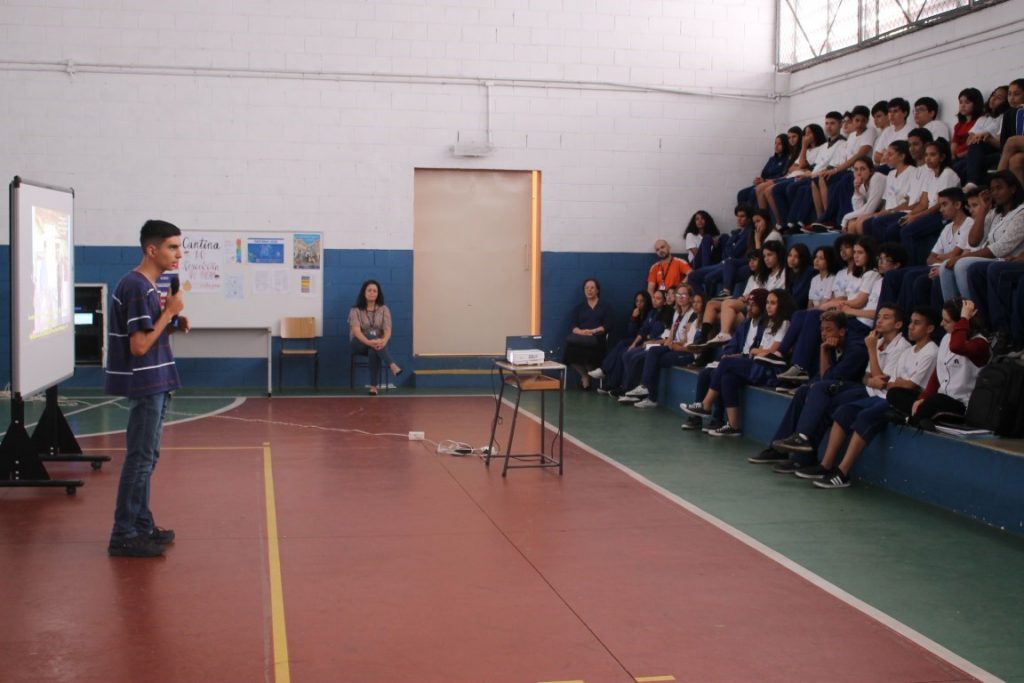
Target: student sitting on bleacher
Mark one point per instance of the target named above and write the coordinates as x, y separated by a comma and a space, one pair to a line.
761, 333
666, 352
794, 203
985, 266
612, 367
899, 110
769, 273
732, 248
983, 141
963, 352
926, 115
1012, 158
898, 188
920, 285
799, 273
842, 358
812, 145
735, 270
820, 287
776, 167
971, 108
611, 360
867, 417
868, 192
883, 130
883, 346
953, 274
852, 290
700, 240
834, 189
920, 227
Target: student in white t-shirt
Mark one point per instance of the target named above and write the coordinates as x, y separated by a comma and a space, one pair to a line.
899, 110
953, 240
811, 147
868, 191
919, 228
770, 274
963, 352
700, 228
926, 115
901, 183
835, 182
864, 419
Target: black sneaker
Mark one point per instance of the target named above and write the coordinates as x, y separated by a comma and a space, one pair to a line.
767, 456
786, 467
693, 423
162, 536
712, 425
136, 546
833, 480
795, 443
726, 430
815, 471
773, 359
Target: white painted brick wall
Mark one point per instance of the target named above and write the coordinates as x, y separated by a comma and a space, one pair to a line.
620, 168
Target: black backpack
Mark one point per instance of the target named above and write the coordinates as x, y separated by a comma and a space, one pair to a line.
997, 402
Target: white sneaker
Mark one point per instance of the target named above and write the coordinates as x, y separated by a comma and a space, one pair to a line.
646, 403
596, 373
712, 365
719, 339
638, 390
628, 399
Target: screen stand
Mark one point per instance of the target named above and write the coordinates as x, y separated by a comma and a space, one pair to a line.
54, 440
20, 464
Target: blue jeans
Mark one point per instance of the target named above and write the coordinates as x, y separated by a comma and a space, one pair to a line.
374, 357
132, 516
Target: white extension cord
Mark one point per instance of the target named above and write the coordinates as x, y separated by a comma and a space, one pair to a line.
449, 447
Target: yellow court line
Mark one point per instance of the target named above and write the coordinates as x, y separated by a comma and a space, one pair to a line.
282, 674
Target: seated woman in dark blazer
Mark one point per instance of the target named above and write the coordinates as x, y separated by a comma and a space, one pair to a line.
589, 323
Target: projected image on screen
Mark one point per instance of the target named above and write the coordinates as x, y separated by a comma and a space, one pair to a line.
42, 286
52, 305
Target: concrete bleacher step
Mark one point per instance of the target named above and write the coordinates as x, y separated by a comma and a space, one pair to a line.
980, 478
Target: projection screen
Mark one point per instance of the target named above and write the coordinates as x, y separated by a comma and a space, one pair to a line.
42, 286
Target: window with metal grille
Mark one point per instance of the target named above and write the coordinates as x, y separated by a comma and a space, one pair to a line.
811, 31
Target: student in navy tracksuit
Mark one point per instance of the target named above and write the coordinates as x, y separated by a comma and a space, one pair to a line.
737, 370
733, 246
776, 167
843, 357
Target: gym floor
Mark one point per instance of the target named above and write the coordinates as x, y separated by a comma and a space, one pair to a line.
317, 543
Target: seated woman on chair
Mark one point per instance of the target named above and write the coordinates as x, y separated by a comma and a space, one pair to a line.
369, 325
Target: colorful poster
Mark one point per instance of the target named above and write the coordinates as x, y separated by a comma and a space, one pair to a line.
266, 250
306, 284
202, 261
306, 253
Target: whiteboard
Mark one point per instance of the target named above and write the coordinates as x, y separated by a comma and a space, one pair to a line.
248, 279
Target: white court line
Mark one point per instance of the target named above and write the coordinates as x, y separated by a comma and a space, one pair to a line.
234, 404
80, 410
898, 626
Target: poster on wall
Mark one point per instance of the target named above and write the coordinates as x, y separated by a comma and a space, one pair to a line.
266, 251
306, 251
202, 262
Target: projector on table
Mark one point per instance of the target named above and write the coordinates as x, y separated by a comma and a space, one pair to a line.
525, 356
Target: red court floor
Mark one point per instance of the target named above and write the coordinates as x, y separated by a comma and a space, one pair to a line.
398, 564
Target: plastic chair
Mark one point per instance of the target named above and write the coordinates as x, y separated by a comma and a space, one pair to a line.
300, 330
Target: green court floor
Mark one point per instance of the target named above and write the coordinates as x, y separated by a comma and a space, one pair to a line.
954, 580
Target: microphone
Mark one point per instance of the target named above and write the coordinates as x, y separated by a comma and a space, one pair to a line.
175, 286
